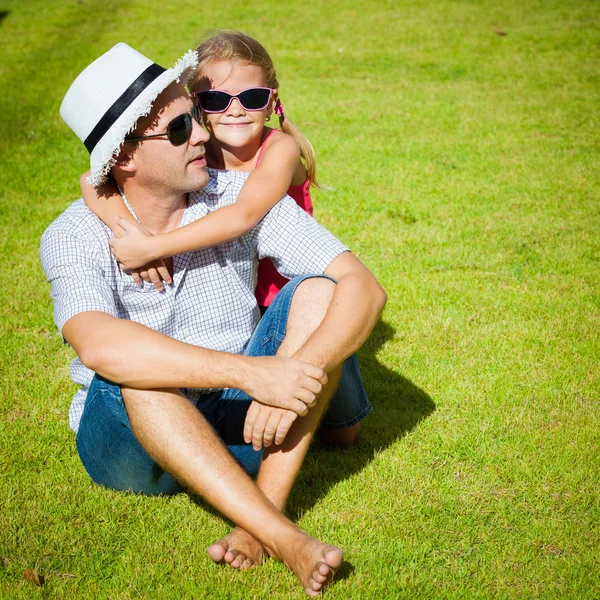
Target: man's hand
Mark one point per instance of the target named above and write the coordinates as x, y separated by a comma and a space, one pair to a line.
284, 382
265, 424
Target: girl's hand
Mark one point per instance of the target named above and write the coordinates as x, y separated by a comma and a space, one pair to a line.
134, 253
156, 272
134, 249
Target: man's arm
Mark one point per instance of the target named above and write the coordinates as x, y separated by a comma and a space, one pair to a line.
297, 244
356, 305
133, 355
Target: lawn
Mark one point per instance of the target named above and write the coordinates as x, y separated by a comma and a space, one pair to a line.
459, 144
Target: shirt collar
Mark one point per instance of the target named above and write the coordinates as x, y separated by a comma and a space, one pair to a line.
127, 204
217, 182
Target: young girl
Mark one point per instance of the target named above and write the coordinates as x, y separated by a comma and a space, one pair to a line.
237, 90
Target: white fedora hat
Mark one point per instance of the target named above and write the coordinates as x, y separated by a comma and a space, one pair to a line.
104, 103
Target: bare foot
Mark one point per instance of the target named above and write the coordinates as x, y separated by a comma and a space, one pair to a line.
238, 549
315, 564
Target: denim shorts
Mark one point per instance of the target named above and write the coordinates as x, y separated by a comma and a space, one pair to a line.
114, 458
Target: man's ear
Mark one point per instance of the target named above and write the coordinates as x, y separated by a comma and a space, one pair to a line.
125, 162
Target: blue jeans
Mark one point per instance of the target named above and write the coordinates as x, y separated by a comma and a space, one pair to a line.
114, 458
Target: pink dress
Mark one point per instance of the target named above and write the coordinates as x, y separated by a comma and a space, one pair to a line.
270, 281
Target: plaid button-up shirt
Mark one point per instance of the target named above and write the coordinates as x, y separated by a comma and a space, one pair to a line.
211, 302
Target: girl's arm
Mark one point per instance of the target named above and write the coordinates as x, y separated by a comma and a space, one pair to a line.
265, 186
106, 203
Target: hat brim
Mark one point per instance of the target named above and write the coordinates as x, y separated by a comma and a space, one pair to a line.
104, 155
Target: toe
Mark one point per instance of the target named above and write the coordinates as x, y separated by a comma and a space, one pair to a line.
312, 593
319, 577
323, 569
231, 555
247, 564
333, 558
217, 551
237, 562
315, 585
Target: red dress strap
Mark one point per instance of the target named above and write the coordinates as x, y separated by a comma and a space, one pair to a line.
263, 146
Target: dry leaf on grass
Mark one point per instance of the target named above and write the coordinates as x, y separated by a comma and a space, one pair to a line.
32, 576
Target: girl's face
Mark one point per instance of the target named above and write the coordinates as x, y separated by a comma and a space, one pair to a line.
237, 127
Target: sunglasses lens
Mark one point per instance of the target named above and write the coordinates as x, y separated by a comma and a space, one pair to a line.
254, 98
180, 129
213, 100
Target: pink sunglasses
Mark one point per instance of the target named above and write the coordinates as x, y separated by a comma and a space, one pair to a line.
217, 101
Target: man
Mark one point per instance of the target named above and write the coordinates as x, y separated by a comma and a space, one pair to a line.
168, 400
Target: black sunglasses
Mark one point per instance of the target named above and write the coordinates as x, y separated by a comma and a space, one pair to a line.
178, 130
216, 101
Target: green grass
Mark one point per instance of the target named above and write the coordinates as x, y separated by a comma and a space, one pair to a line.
464, 168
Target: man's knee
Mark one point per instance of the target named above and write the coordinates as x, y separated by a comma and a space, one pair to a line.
315, 291
308, 307
310, 303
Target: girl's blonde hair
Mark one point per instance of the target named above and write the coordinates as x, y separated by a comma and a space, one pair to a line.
233, 45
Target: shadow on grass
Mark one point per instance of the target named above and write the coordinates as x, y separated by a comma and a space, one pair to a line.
398, 406
3, 15
344, 571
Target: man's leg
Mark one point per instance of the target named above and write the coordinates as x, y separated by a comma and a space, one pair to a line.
180, 439
339, 437
109, 451
341, 423
281, 464
171, 432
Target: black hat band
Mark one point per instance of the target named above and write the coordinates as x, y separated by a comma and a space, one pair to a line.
121, 104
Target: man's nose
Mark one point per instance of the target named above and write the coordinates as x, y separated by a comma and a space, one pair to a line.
199, 134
